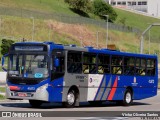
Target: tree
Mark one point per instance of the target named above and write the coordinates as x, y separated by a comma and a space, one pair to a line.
101, 8
6, 45
78, 4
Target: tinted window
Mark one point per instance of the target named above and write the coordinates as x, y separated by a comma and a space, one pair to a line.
74, 62
89, 63
117, 65
103, 64
129, 63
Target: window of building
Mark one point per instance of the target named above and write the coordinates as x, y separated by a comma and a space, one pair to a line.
123, 3
103, 64
74, 62
144, 3
133, 3
113, 3
117, 65
119, 3
129, 3
139, 3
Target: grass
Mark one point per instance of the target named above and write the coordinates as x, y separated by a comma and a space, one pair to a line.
22, 27
2, 97
2, 89
139, 21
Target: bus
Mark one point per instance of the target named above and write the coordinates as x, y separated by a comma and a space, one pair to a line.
47, 72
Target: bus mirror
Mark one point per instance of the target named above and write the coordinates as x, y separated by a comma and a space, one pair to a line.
56, 62
3, 62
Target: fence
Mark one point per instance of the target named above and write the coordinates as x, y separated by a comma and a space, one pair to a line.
63, 18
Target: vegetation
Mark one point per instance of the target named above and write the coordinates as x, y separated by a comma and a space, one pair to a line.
2, 97
2, 89
138, 21
101, 8
78, 4
5, 46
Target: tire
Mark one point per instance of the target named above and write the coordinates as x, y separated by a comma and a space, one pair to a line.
35, 103
127, 100
71, 99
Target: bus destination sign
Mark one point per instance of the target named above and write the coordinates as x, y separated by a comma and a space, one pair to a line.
29, 48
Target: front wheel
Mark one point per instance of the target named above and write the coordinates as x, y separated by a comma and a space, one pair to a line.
71, 99
35, 103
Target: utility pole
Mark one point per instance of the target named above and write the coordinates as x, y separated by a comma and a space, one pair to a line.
142, 36
107, 17
32, 28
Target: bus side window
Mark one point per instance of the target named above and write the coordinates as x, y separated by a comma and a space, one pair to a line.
140, 66
74, 62
103, 64
89, 63
151, 63
129, 63
117, 65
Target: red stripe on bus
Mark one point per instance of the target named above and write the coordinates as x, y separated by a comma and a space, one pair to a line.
113, 90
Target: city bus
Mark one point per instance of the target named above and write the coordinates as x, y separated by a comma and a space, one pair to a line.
47, 72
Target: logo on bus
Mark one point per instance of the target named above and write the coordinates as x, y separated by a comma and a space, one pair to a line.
134, 82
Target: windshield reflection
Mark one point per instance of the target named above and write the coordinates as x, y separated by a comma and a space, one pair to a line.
29, 66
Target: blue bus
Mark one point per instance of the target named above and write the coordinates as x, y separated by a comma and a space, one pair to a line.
47, 72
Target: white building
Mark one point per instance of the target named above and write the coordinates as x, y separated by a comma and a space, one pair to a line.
152, 7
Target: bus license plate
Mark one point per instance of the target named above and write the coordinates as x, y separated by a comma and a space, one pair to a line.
22, 94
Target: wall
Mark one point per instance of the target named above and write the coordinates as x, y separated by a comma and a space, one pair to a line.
154, 7
2, 78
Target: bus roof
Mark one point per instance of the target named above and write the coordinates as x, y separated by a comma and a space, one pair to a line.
87, 49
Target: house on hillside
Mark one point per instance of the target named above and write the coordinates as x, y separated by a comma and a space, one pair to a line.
152, 7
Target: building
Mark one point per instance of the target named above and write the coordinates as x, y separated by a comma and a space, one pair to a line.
152, 7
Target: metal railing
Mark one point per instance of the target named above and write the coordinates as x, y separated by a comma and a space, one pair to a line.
4, 10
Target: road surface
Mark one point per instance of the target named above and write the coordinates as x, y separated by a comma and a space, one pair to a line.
90, 112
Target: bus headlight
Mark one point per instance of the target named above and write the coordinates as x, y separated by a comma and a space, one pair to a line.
42, 87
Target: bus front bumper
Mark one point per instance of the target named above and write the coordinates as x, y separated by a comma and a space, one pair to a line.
40, 94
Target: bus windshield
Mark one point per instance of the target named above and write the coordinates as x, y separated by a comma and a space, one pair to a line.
28, 66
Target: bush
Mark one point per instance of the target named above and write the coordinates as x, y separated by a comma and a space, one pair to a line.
78, 4
6, 45
101, 8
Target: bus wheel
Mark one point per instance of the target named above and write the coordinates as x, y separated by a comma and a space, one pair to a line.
35, 103
127, 98
71, 99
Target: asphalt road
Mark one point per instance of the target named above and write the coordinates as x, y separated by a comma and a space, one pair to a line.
90, 112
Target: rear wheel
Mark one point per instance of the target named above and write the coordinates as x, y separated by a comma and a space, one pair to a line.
71, 99
35, 103
127, 100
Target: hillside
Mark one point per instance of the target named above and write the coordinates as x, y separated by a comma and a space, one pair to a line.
47, 28
139, 21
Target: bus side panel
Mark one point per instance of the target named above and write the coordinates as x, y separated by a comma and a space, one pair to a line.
119, 94
78, 80
147, 86
55, 90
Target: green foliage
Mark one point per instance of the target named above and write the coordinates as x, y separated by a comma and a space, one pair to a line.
101, 8
78, 4
123, 21
6, 45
